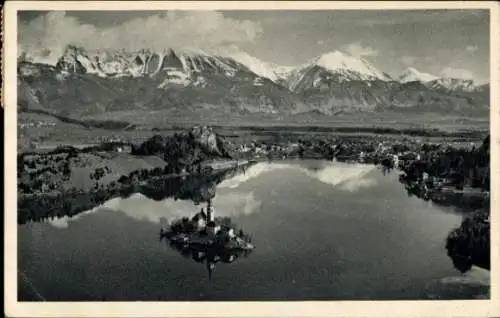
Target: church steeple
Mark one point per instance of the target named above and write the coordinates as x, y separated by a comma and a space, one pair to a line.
210, 268
210, 212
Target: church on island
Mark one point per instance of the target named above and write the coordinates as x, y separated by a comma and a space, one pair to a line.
205, 222
209, 240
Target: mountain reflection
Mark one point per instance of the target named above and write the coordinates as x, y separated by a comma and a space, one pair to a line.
178, 197
196, 188
349, 177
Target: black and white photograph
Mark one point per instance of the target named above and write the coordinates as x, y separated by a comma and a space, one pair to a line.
230, 155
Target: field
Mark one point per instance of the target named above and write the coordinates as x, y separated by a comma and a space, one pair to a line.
165, 118
45, 131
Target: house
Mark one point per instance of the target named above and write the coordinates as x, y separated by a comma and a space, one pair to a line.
395, 159
124, 148
199, 221
362, 157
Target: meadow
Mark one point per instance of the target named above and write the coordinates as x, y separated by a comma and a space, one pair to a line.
43, 131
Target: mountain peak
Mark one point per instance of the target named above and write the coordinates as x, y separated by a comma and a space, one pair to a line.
271, 71
413, 75
455, 84
340, 62
332, 60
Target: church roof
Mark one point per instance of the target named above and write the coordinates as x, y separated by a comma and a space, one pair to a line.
198, 216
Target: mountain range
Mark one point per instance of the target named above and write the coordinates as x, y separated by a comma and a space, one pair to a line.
90, 83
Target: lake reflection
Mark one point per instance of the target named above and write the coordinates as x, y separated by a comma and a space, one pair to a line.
323, 231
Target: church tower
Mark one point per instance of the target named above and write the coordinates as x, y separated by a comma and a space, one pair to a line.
210, 212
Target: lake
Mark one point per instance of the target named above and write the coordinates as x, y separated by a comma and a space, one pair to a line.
322, 231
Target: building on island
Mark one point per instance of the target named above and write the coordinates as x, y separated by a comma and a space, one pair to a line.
199, 221
210, 212
210, 268
212, 229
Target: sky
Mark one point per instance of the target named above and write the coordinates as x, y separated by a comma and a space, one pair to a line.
453, 43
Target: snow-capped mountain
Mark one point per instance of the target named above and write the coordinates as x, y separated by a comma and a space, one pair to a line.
413, 75
257, 66
282, 72
189, 61
145, 62
453, 84
145, 80
335, 66
438, 83
336, 82
351, 66
272, 71
194, 81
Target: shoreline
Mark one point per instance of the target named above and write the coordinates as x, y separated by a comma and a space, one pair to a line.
116, 170
69, 181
